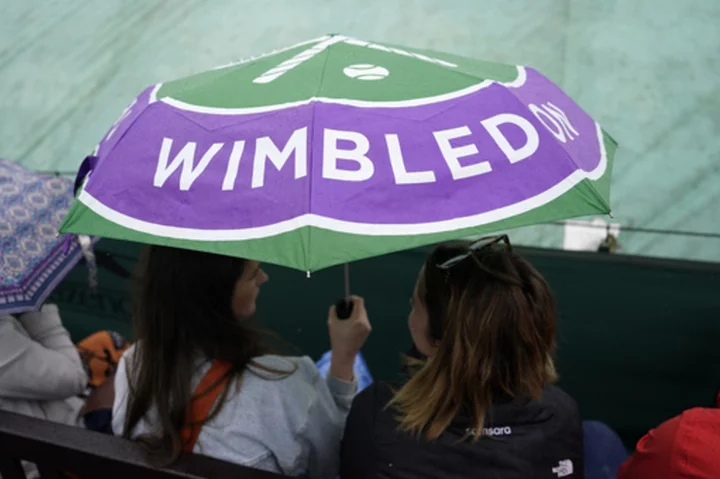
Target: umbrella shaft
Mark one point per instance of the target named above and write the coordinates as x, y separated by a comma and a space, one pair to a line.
347, 281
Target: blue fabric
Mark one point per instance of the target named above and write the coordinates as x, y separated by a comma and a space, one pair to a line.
362, 373
604, 451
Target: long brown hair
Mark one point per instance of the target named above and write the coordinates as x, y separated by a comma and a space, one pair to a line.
182, 309
493, 317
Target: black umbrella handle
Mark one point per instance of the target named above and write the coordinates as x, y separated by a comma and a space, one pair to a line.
343, 309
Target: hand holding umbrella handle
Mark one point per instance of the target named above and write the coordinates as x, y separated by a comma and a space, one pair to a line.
343, 309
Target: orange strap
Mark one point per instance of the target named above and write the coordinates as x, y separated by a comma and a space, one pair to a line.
206, 393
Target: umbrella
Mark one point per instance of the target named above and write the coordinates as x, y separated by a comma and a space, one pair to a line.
338, 149
32, 254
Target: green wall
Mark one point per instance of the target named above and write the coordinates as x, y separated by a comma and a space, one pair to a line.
648, 70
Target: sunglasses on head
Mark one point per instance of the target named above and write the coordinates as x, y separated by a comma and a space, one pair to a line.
482, 243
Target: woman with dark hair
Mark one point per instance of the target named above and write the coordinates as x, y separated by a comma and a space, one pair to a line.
201, 379
482, 404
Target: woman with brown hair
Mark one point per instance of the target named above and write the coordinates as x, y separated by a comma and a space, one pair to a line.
482, 404
200, 377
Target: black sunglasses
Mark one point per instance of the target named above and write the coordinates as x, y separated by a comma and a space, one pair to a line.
482, 243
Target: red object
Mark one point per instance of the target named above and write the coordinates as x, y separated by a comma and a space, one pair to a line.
211, 385
687, 446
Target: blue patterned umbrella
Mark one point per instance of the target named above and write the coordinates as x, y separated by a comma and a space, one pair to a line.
33, 257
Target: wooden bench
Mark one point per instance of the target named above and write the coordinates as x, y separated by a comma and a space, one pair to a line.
56, 447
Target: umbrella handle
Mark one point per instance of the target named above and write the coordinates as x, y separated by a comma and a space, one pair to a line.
343, 309
86, 167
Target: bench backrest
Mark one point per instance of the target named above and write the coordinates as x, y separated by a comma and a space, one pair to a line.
55, 448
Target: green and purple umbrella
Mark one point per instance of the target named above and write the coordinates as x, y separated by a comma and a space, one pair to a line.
338, 149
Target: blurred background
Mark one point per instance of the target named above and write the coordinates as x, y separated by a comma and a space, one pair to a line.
647, 70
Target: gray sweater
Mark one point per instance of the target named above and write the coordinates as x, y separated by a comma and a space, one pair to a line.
291, 425
41, 373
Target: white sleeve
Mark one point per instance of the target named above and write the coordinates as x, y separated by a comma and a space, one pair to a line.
323, 429
45, 365
122, 391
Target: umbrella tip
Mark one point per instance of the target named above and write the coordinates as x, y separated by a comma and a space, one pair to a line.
611, 214
308, 274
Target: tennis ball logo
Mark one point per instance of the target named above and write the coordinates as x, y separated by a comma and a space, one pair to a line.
364, 71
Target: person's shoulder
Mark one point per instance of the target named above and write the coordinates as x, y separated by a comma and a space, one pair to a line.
701, 420
290, 383
284, 367
129, 354
129, 351
12, 335
276, 360
293, 374
556, 397
374, 397
125, 366
564, 410
705, 415
8, 323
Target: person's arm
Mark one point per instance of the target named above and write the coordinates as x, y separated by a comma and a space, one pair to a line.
342, 393
347, 336
44, 366
356, 458
322, 429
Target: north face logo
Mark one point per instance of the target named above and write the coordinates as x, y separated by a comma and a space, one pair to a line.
564, 468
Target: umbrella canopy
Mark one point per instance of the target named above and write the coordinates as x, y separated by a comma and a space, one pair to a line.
32, 257
339, 149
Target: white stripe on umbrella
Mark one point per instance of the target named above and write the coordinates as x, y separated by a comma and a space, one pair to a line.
341, 226
518, 82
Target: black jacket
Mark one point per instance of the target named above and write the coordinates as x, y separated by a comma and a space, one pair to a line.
522, 439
